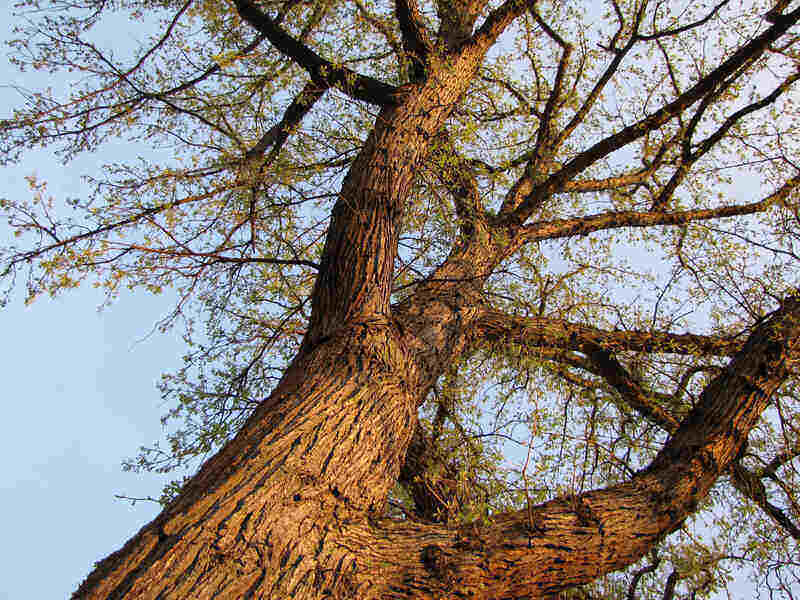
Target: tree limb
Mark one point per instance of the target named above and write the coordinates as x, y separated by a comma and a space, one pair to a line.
431, 493
292, 116
560, 228
499, 327
497, 21
415, 41
458, 176
706, 85
749, 484
572, 540
631, 390
323, 72
692, 156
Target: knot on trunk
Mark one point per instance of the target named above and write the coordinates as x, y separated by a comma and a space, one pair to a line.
433, 559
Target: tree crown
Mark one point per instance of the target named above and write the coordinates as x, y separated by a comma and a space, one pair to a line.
606, 194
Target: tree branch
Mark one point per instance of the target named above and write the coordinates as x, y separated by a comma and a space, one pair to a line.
690, 157
415, 41
677, 30
572, 540
323, 72
631, 390
292, 116
637, 576
750, 485
497, 21
560, 228
458, 175
431, 493
499, 327
706, 85
609, 183
539, 157
633, 393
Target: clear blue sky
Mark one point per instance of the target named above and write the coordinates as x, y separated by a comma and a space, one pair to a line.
78, 396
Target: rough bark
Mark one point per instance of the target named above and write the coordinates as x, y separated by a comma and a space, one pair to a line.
283, 490
261, 518
293, 506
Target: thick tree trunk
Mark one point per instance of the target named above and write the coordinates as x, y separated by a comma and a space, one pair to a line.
262, 518
265, 516
293, 506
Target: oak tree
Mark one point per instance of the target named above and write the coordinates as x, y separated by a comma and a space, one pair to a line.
485, 299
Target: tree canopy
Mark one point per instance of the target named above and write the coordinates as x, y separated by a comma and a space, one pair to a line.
583, 220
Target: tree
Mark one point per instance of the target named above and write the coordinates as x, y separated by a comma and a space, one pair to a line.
410, 231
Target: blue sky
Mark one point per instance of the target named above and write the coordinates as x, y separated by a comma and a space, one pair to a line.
79, 396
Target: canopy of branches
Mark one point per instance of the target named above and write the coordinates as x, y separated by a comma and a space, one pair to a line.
621, 175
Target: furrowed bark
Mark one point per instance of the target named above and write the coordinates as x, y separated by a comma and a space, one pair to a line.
572, 540
262, 517
499, 327
265, 516
357, 268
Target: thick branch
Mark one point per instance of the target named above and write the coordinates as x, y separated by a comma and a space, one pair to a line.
746, 482
751, 486
294, 114
631, 390
457, 19
357, 267
560, 228
323, 72
458, 176
497, 21
543, 135
499, 327
572, 540
415, 41
430, 492
546, 140
609, 183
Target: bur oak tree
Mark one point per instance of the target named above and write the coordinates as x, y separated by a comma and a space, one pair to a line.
484, 299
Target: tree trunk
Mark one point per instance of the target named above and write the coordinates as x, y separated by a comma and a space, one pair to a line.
266, 516
294, 505
263, 517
